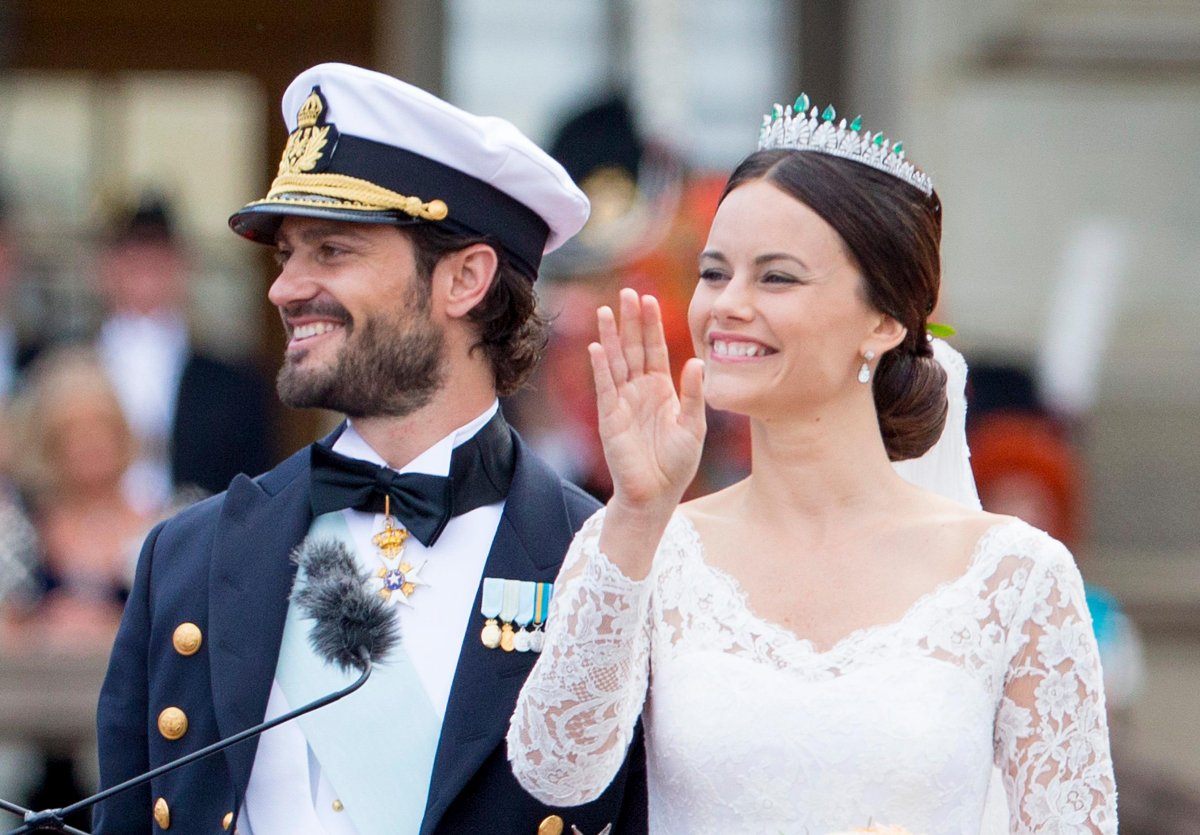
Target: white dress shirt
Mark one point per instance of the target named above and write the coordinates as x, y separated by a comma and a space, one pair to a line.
144, 357
285, 773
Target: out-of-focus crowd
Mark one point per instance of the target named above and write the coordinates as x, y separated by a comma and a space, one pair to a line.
105, 432
101, 434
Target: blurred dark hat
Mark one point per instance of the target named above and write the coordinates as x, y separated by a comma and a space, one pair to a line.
996, 385
598, 137
148, 221
633, 185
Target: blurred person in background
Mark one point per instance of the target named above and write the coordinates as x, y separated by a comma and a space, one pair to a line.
199, 419
16, 352
20, 763
18, 550
73, 448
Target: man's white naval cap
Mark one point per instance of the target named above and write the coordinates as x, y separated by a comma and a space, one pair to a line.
368, 148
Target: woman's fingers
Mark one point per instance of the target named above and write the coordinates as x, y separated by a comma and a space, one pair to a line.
691, 397
602, 375
606, 323
631, 332
653, 338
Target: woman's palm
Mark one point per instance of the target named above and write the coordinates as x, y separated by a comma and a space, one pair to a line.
652, 437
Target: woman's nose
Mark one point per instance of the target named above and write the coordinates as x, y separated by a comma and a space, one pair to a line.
733, 301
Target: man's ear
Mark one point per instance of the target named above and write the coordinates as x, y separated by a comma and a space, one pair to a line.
886, 335
466, 276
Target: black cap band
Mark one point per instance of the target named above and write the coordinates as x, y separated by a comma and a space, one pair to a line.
475, 207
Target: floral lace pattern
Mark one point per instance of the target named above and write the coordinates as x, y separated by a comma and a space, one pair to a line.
750, 728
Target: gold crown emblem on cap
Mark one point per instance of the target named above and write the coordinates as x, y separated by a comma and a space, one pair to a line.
302, 178
310, 111
306, 144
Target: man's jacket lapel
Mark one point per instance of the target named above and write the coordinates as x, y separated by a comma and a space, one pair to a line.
534, 534
249, 582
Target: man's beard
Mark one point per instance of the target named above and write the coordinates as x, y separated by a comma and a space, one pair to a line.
388, 367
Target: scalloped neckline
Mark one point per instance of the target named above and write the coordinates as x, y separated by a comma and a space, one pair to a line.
861, 633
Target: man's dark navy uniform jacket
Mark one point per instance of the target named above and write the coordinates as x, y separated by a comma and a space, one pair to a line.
223, 564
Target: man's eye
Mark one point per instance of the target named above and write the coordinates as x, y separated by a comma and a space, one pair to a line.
281, 256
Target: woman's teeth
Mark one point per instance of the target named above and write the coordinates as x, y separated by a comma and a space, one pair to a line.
724, 348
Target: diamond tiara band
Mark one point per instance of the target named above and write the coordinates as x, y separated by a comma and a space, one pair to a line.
801, 129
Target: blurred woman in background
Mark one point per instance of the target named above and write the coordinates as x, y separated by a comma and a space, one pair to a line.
72, 449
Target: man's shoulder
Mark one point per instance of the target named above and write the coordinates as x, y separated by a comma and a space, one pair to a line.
207, 511
536, 471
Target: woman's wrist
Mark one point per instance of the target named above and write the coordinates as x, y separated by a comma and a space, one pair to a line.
631, 534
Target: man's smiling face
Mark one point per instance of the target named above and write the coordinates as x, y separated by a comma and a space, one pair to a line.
361, 339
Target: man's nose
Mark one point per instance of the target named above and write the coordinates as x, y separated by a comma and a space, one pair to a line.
293, 284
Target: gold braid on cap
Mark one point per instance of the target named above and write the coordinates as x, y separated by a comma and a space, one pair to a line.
352, 192
296, 183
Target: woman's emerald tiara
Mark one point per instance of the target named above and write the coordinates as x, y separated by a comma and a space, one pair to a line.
802, 129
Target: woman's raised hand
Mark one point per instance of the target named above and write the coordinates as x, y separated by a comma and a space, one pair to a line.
652, 437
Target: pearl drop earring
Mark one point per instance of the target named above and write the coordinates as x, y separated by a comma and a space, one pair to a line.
864, 373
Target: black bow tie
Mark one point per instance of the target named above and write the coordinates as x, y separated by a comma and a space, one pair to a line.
480, 472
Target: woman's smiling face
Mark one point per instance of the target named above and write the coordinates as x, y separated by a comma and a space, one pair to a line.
779, 315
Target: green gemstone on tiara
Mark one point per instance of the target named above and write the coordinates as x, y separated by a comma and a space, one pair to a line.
849, 141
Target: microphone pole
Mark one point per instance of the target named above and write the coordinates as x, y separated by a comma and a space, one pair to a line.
25, 813
350, 626
52, 819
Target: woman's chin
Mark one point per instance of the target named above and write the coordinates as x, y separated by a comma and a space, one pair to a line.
726, 399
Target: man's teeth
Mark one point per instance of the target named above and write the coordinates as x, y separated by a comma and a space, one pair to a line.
315, 329
723, 348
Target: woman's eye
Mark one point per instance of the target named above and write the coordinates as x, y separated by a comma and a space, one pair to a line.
780, 278
711, 275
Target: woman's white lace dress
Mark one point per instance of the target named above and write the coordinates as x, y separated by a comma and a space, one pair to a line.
751, 729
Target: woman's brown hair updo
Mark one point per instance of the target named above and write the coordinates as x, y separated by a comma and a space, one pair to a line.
893, 232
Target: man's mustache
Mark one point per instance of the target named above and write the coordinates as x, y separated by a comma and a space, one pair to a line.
324, 308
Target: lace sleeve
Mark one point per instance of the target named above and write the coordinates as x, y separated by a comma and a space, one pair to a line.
576, 713
1051, 729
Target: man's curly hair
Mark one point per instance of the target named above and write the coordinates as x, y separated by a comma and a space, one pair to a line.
512, 331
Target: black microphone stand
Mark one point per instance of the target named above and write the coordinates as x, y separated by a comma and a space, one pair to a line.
52, 820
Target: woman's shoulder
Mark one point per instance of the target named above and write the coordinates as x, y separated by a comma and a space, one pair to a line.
992, 543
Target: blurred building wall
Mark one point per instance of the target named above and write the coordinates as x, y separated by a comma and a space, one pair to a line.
1060, 134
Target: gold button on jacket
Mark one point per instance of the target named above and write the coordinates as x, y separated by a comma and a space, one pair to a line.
227, 821
551, 825
162, 813
172, 723
187, 638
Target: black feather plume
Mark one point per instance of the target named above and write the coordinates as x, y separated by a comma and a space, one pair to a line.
350, 620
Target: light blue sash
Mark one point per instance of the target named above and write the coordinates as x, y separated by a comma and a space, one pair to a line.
376, 746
